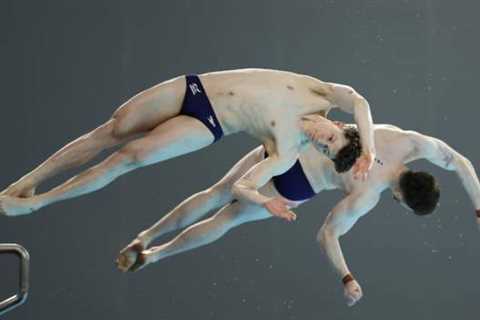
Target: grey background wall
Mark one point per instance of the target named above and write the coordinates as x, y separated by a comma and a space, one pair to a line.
66, 65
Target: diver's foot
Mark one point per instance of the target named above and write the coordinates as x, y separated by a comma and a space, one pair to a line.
129, 255
13, 206
144, 258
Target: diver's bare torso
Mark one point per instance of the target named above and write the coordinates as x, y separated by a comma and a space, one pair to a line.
264, 103
394, 150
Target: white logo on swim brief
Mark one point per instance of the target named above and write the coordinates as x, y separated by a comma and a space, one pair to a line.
210, 119
194, 88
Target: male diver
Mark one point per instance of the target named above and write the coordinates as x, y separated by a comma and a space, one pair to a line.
188, 113
312, 173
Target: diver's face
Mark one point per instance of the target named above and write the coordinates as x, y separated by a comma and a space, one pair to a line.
327, 136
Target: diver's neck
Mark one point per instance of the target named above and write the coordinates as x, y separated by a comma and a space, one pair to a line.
395, 178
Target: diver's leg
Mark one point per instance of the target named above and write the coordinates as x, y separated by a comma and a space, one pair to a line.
195, 207
186, 213
203, 232
74, 154
172, 138
138, 115
191, 209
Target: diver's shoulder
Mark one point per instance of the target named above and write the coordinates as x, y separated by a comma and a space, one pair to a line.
389, 129
387, 126
263, 72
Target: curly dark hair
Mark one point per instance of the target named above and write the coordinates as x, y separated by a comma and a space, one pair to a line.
346, 156
420, 191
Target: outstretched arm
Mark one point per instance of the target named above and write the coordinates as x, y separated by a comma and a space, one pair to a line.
348, 100
246, 188
340, 220
444, 156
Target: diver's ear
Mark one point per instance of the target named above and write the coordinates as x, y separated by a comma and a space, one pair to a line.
339, 124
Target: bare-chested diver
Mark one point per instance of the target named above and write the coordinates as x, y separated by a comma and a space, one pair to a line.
188, 113
312, 174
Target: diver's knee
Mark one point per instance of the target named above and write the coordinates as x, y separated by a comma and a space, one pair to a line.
131, 156
125, 120
120, 126
220, 192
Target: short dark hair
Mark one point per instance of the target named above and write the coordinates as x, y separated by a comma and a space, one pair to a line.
348, 155
420, 191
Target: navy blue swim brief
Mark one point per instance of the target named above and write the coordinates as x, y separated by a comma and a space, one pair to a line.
196, 104
293, 183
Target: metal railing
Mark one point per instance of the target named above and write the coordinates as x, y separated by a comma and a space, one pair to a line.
22, 293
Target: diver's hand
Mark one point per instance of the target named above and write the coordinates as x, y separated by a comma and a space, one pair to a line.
279, 208
352, 292
363, 165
